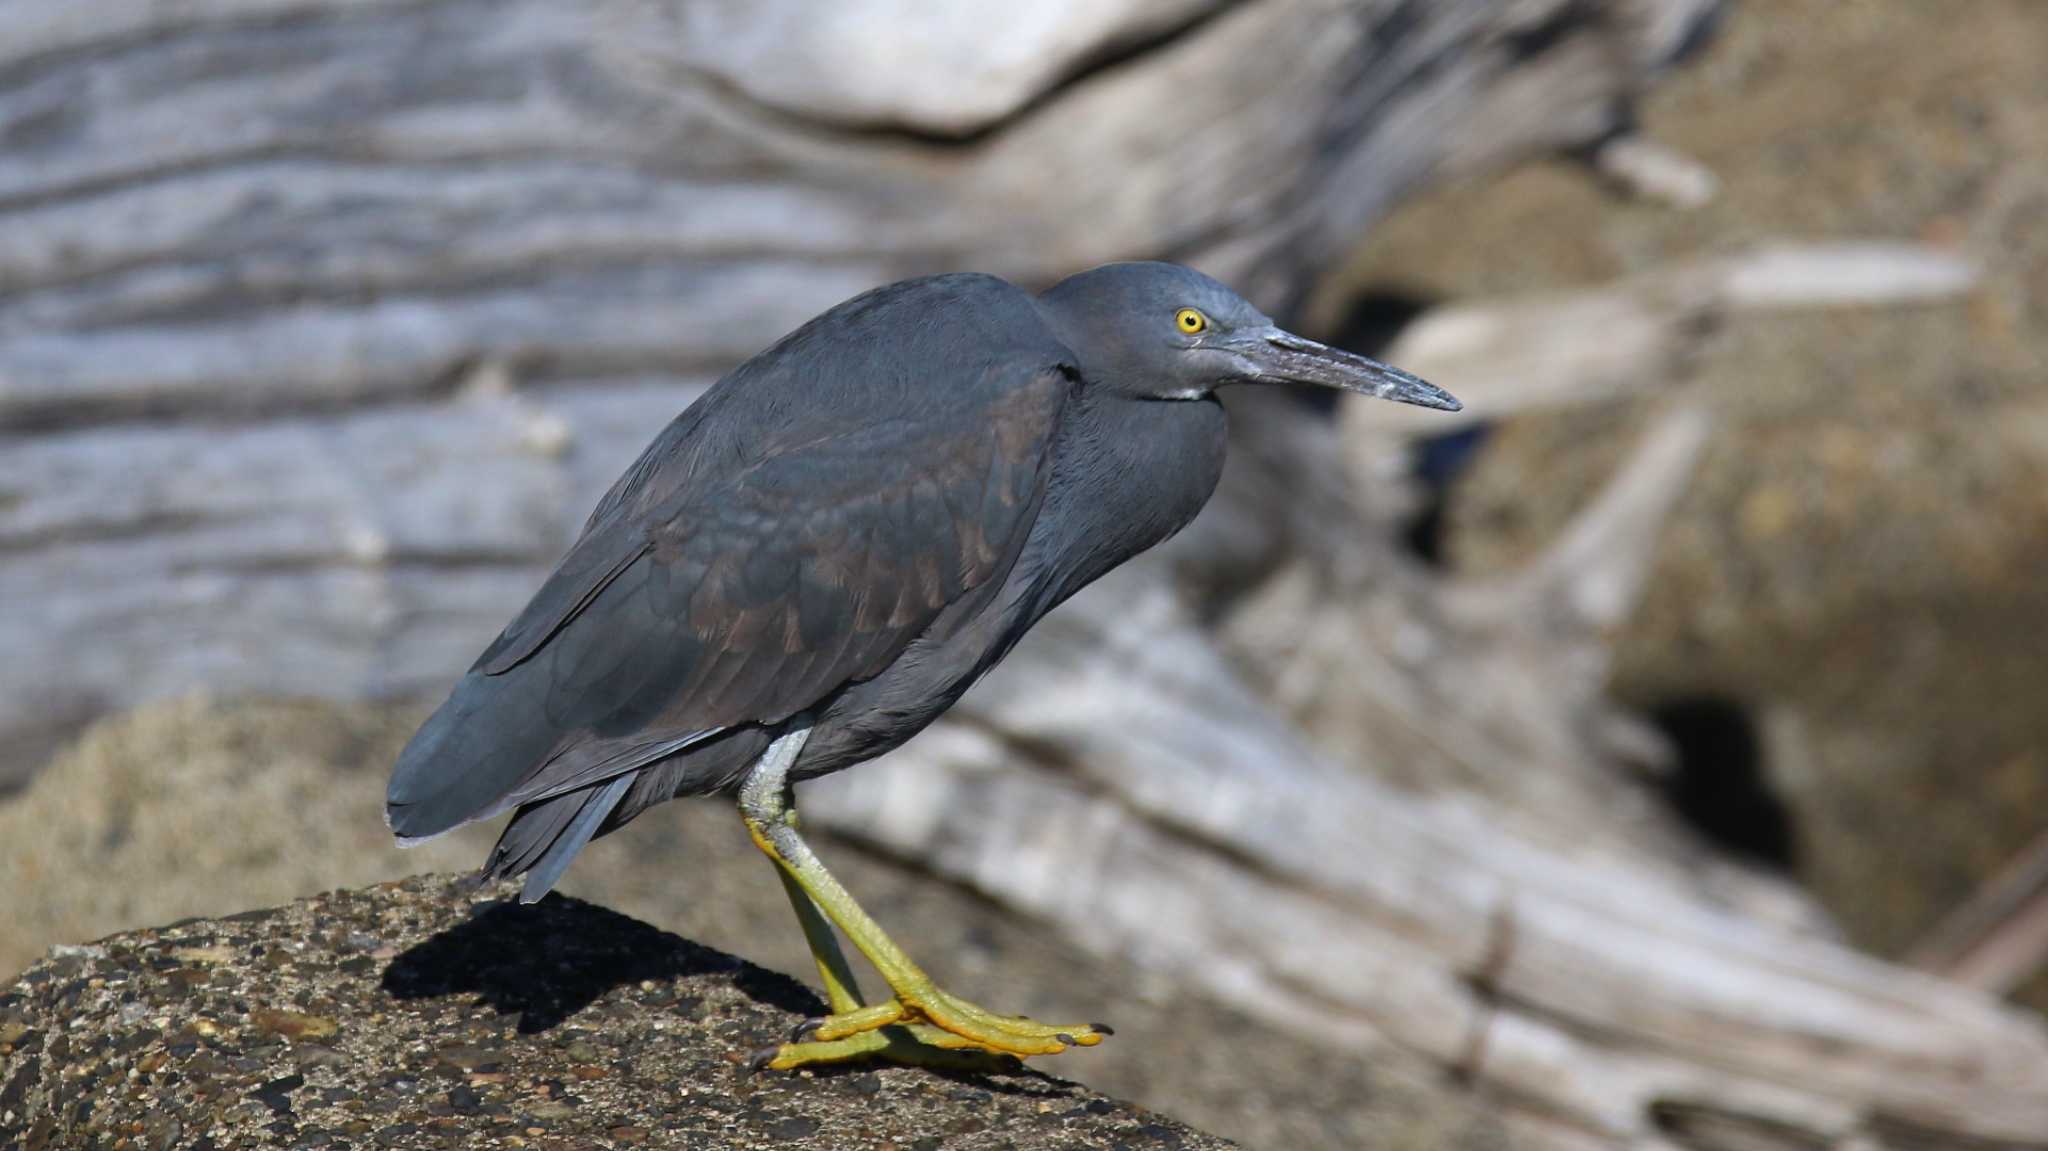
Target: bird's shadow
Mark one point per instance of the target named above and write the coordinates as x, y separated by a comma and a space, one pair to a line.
547, 961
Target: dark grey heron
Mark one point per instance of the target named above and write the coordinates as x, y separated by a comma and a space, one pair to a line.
817, 558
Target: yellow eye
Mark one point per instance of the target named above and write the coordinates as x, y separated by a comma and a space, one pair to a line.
1190, 322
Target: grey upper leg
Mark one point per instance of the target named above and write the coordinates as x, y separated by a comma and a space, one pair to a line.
765, 792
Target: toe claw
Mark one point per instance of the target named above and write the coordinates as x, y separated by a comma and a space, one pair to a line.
804, 1029
1065, 1038
1102, 1029
759, 1060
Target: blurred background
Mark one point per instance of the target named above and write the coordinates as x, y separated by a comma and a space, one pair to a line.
1669, 721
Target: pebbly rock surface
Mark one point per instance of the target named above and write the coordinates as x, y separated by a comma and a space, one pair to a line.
419, 1015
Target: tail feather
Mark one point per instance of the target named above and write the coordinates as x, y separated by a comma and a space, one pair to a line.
469, 754
542, 838
491, 748
527, 836
549, 867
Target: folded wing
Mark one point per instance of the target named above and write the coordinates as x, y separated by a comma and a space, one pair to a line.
738, 597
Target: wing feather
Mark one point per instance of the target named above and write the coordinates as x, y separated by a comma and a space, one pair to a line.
738, 598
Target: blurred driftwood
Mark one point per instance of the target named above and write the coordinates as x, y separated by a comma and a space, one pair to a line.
323, 323
1552, 349
287, 239
1999, 937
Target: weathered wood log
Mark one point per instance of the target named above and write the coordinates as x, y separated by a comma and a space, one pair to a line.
1620, 339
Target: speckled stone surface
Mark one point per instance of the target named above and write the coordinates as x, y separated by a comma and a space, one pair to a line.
417, 1015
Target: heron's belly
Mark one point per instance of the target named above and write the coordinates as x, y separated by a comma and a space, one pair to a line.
877, 716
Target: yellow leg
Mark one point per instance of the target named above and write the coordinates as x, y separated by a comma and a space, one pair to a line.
841, 991
920, 1022
919, 1044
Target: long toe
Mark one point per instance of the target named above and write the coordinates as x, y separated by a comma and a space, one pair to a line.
932, 1029
951, 1016
914, 1045
856, 1021
1013, 1034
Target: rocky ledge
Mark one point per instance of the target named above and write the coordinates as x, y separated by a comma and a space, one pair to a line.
417, 1014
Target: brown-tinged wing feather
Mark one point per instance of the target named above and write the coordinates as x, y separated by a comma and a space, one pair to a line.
742, 600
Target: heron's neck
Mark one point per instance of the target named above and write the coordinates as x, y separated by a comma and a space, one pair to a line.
1127, 474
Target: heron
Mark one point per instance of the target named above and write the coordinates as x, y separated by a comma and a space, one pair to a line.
820, 555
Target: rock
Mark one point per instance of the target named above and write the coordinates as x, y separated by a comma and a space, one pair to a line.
422, 1015
122, 831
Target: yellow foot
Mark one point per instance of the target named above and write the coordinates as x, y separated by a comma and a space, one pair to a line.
911, 1045
910, 1028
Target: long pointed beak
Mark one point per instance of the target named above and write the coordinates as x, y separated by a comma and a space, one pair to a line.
1283, 356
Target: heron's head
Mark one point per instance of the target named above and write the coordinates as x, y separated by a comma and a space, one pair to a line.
1162, 331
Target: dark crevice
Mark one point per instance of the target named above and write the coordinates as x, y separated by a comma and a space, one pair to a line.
1721, 786
1370, 325
648, 270
1401, 22
432, 385
1703, 1125
27, 69
446, 277
1437, 462
1540, 36
1702, 32
87, 185
303, 149
74, 533
1374, 317
478, 561
52, 415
